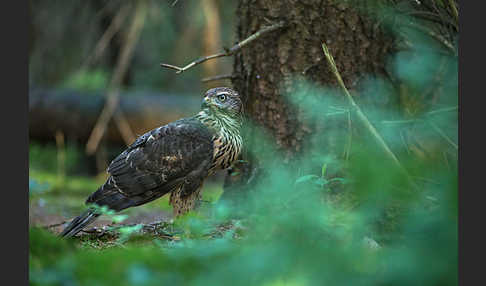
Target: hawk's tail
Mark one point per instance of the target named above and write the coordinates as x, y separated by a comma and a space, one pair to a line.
77, 224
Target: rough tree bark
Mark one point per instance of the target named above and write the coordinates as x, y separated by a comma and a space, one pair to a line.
265, 68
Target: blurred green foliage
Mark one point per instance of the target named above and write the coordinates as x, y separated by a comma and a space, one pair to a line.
44, 157
37, 188
87, 80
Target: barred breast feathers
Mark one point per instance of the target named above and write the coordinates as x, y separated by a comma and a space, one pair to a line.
226, 140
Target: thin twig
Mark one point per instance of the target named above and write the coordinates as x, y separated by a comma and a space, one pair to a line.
110, 32
419, 120
226, 52
404, 142
120, 71
434, 35
100, 127
350, 137
124, 127
362, 116
444, 154
218, 77
426, 15
61, 156
55, 224
443, 135
430, 113
401, 121
445, 109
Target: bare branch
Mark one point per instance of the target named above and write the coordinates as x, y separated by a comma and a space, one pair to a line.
227, 52
110, 32
170, 66
124, 127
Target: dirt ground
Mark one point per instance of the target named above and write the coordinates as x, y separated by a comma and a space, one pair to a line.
43, 214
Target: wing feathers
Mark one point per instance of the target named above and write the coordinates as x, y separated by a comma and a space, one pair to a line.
155, 164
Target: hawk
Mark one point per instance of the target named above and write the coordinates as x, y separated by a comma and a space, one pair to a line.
175, 158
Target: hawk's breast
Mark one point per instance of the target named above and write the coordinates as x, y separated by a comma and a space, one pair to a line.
226, 151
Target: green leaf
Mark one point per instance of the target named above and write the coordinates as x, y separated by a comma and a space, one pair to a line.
306, 178
323, 170
127, 231
37, 188
130, 229
321, 182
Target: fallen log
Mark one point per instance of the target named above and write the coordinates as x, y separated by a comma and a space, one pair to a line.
74, 113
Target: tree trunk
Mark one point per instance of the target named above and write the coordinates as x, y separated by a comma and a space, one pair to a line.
266, 69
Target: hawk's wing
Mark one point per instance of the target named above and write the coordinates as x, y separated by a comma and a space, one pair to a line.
156, 163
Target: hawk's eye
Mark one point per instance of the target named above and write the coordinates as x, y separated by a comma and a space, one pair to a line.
222, 97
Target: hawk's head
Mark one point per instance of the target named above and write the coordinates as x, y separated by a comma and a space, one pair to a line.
223, 101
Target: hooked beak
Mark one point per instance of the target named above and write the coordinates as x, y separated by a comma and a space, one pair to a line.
206, 101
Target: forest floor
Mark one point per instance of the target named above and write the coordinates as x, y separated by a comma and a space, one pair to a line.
55, 203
